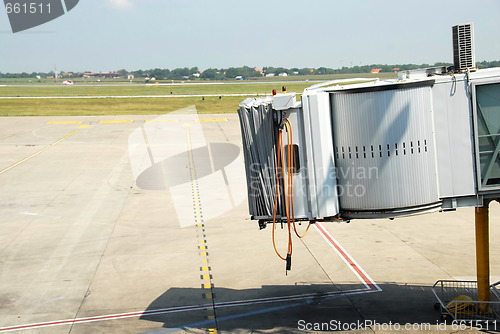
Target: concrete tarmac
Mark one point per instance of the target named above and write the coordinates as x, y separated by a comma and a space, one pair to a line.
139, 224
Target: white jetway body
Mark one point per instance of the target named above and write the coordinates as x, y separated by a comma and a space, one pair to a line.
425, 142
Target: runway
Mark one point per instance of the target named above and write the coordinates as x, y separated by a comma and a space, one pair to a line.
139, 224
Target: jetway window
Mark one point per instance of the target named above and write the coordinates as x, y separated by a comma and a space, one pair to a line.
296, 158
488, 134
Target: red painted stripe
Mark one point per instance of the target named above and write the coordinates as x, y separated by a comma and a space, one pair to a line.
181, 309
104, 317
353, 265
371, 287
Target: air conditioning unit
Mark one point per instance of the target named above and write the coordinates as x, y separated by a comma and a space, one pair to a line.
463, 46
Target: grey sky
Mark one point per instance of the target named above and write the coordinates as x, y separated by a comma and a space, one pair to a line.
105, 35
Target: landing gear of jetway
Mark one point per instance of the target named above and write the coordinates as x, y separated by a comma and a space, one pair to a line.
472, 300
482, 252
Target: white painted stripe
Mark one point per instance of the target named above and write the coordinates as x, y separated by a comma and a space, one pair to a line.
182, 309
370, 285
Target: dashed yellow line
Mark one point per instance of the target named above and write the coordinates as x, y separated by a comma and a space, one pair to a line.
207, 285
115, 122
205, 271
162, 120
212, 120
147, 121
65, 122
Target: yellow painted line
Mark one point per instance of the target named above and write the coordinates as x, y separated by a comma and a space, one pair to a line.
162, 120
83, 126
202, 247
115, 122
206, 277
211, 120
204, 261
203, 241
186, 124
37, 153
207, 285
207, 295
204, 254
65, 122
205, 268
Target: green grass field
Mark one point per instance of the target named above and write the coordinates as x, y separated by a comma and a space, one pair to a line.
118, 106
137, 106
150, 90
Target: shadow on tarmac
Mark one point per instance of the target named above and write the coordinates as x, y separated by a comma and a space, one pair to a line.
339, 307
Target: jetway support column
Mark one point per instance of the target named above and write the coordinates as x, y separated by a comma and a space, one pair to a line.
482, 252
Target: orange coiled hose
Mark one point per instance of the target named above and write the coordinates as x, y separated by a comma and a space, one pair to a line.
289, 209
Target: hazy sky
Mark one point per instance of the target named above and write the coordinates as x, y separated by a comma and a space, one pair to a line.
105, 35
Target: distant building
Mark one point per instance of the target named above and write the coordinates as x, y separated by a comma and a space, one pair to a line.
283, 74
270, 75
196, 75
102, 75
130, 76
375, 70
395, 69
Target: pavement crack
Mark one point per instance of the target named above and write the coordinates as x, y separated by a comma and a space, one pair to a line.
417, 251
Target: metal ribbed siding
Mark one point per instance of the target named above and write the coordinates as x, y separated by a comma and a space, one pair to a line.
384, 148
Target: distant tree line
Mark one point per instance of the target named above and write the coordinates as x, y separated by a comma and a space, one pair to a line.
247, 72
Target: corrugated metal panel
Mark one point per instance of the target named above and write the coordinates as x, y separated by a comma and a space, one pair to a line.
384, 148
321, 176
257, 129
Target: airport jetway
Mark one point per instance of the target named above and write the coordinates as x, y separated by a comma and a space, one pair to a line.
424, 142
